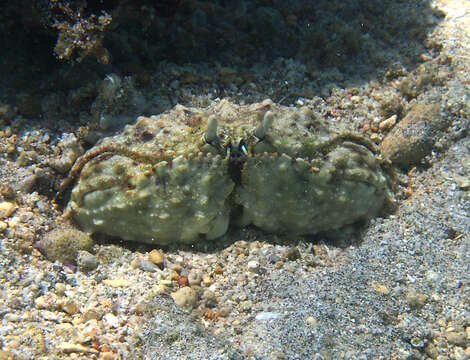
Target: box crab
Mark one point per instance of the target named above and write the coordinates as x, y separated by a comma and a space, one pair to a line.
191, 172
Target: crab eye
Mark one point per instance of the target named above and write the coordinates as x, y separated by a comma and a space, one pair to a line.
265, 125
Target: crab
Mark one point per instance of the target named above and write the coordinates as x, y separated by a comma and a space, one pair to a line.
190, 173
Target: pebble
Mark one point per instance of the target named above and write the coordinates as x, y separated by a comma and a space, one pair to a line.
415, 300
91, 314
147, 265
382, 289
116, 283
415, 135
112, 320
431, 350
156, 256
6, 209
219, 270
267, 316
432, 277
460, 354
292, 253
463, 182
253, 266
60, 289
69, 348
312, 321
245, 306
211, 304
457, 338
273, 258
87, 262
207, 280
224, 311
66, 330
70, 307
388, 123
194, 277
185, 297
108, 355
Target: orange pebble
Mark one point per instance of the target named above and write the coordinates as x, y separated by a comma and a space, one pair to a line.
183, 281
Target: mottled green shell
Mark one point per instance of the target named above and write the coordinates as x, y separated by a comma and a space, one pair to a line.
185, 173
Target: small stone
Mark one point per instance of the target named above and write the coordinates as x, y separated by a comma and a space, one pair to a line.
417, 342
218, 270
246, 306
224, 311
176, 268
211, 304
69, 348
115, 283
194, 277
185, 297
3, 226
382, 289
459, 354
431, 350
112, 320
183, 281
60, 289
70, 307
415, 300
432, 277
135, 262
109, 355
415, 135
147, 265
6, 209
457, 338
161, 288
463, 182
267, 315
292, 253
388, 123
207, 280
312, 321
156, 257
273, 258
209, 295
87, 262
66, 330
48, 302
253, 266
91, 314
